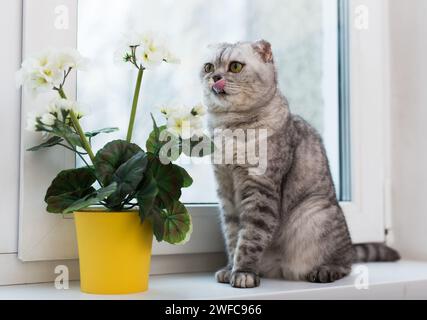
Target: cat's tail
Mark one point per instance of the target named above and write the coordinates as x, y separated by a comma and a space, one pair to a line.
375, 252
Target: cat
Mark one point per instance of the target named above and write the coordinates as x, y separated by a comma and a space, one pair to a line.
286, 222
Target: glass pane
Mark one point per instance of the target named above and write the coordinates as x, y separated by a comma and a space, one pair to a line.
303, 33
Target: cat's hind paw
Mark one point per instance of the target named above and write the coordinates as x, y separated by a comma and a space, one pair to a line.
244, 280
223, 275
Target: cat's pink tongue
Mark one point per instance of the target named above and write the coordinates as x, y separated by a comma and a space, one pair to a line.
219, 86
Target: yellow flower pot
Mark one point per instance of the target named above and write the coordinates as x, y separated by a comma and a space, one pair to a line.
114, 251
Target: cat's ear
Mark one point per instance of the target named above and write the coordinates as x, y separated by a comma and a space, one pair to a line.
263, 48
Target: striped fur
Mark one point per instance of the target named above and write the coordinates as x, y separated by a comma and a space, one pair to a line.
374, 252
287, 222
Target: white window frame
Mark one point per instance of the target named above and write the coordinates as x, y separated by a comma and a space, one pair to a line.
10, 56
369, 211
366, 213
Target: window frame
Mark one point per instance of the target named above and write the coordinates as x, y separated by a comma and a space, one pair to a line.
369, 94
10, 58
369, 121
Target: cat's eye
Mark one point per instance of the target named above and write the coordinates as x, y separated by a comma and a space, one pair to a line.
209, 68
236, 67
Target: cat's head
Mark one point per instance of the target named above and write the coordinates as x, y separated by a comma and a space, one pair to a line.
238, 77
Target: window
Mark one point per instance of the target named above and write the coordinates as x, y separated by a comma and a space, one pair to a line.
305, 37
303, 33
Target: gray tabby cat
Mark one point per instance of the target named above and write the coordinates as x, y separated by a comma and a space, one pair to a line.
287, 222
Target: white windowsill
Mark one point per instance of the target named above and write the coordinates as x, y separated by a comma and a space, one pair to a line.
403, 280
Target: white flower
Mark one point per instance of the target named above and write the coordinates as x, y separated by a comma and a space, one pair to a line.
70, 58
149, 51
52, 106
171, 58
149, 57
168, 111
48, 119
45, 70
32, 122
197, 127
182, 123
180, 127
68, 105
198, 110
65, 104
39, 72
57, 105
34, 82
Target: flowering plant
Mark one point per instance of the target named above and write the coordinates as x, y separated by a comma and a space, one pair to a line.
121, 175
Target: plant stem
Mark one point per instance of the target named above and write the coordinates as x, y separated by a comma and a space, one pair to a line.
134, 104
71, 149
82, 135
76, 152
78, 128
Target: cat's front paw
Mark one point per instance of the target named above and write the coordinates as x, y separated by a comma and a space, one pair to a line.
244, 280
327, 274
223, 275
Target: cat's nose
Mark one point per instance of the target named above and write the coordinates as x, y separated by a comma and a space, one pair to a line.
217, 77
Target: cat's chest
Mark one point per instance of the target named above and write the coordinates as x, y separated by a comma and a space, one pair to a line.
239, 148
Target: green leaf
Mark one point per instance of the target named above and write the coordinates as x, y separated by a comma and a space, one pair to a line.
158, 225
153, 144
71, 181
53, 141
94, 133
68, 187
169, 181
166, 146
158, 139
147, 195
91, 199
111, 157
128, 176
155, 126
57, 204
64, 131
170, 149
177, 224
187, 180
198, 147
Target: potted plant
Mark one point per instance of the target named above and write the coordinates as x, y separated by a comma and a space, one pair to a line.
125, 193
